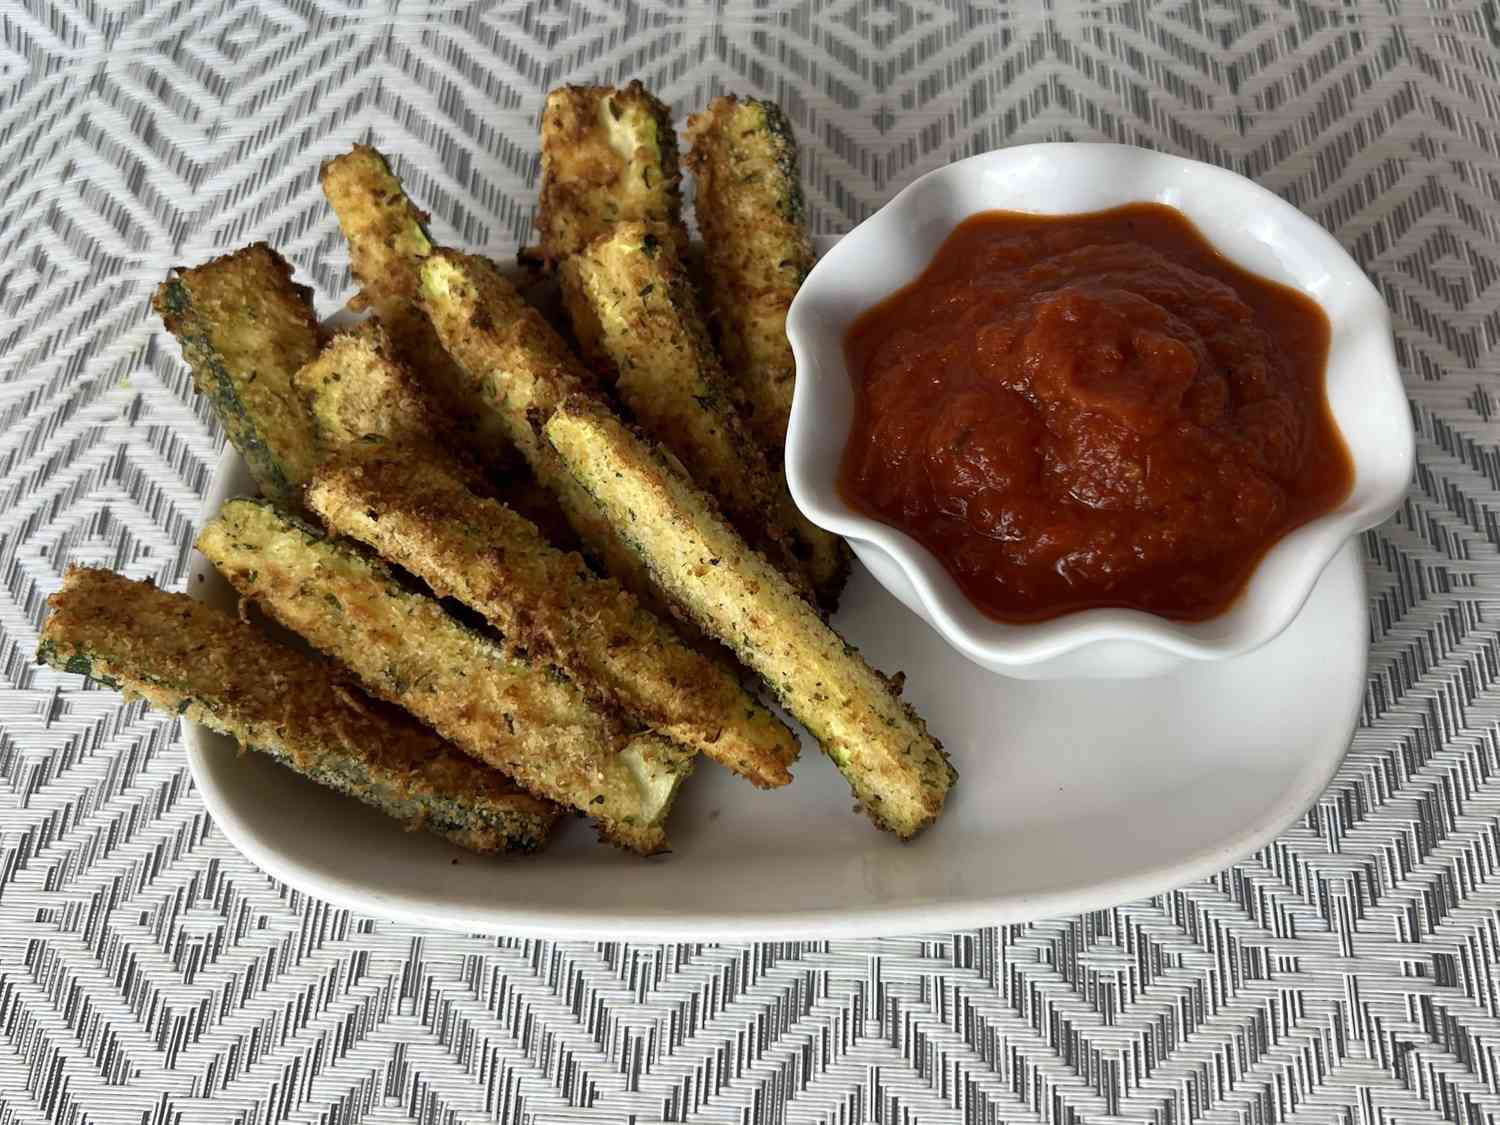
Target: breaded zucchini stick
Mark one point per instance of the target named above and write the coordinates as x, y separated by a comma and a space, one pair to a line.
896, 769
666, 371
245, 328
756, 250
524, 370
421, 515
518, 716
756, 253
664, 368
186, 658
388, 242
608, 156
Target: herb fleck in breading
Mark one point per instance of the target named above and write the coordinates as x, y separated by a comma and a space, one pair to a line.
756, 253
357, 390
361, 393
756, 250
652, 337
524, 369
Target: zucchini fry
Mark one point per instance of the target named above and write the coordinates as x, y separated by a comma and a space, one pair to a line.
608, 155
756, 253
186, 658
422, 516
245, 328
756, 250
388, 242
897, 770
522, 718
666, 371
523, 370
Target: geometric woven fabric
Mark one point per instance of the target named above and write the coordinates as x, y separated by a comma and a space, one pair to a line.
148, 973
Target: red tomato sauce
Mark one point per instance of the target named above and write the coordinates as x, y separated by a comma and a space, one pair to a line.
1092, 410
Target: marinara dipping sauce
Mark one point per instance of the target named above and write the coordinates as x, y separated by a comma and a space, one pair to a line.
1092, 410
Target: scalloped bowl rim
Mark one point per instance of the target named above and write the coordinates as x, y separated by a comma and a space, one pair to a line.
891, 248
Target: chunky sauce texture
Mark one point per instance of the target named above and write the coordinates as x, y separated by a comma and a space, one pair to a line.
1092, 410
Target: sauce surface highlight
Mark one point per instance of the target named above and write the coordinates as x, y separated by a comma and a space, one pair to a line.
1092, 410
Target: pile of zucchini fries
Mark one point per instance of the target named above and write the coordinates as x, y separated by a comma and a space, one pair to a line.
539, 568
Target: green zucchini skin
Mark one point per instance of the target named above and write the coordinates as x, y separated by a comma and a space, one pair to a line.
525, 370
756, 254
756, 249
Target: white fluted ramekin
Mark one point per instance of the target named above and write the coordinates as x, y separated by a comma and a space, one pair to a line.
1249, 225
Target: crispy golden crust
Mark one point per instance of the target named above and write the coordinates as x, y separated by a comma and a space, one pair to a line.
523, 370
388, 241
608, 155
245, 328
756, 250
186, 658
423, 517
896, 769
521, 717
632, 287
356, 389
387, 234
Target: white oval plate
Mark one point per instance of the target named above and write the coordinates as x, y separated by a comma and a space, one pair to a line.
1072, 795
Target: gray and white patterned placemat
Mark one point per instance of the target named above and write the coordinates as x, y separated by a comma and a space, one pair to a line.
149, 974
